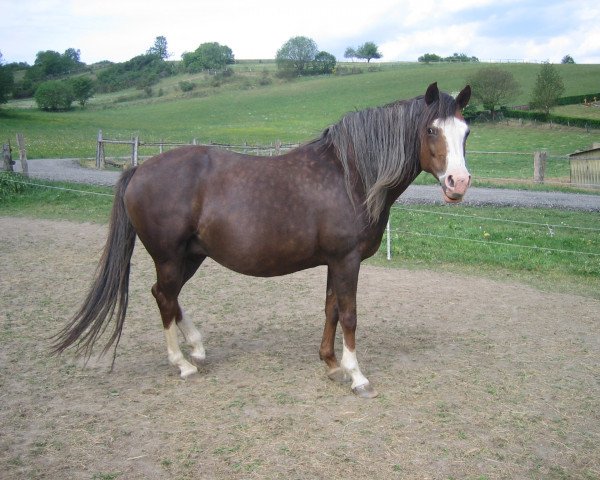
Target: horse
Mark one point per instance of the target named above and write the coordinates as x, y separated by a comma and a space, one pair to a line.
325, 202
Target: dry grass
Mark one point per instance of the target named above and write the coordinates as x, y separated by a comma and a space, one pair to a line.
478, 379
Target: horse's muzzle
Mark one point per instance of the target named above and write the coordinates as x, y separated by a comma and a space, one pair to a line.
455, 185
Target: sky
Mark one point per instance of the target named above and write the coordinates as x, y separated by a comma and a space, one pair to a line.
491, 30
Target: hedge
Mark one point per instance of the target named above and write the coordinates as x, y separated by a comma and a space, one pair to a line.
577, 99
560, 119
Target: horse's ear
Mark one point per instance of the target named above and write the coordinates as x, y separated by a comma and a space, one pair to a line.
463, 97
432, 94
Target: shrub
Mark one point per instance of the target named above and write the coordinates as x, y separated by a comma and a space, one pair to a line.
186, 86
54, 95
560, 119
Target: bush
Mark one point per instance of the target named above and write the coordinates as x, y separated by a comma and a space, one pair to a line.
577, 99
560, 119
139, 72
186, 86
54, 95
264, 79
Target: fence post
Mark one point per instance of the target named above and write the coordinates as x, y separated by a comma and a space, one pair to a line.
100, 152
22, 154
134, 154
389, 241
539, 166
7, 156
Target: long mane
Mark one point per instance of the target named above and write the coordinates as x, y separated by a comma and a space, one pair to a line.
383, 145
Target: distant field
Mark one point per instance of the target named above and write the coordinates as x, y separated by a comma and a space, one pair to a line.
242, 110
580, 111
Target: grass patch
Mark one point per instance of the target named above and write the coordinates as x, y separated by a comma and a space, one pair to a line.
76, 202
547, 248
291, 111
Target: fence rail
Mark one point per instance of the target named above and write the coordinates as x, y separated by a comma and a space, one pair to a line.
263, 150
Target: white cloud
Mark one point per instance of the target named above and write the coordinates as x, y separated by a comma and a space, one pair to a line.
404, 29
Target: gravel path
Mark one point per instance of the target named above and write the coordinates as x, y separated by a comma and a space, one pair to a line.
70, 170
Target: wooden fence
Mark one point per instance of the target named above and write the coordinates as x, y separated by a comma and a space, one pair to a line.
8, 162
136, 144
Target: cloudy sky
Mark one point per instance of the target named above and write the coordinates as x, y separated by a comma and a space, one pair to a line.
117, 30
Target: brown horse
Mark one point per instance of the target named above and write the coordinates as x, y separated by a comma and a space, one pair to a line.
325, 203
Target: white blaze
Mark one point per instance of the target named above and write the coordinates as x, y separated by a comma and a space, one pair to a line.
454, 131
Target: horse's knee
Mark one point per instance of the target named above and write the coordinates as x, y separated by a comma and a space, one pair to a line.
348, 321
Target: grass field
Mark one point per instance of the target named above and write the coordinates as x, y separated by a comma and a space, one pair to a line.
297, 111
533, 245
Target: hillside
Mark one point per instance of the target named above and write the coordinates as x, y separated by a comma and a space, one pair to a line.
255, 106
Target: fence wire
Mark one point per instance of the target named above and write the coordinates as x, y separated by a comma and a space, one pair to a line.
391, 230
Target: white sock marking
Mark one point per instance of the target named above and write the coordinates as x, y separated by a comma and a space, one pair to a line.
192, 337
350, 364
174, 353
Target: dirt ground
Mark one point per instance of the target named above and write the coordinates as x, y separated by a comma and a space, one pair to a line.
478, 379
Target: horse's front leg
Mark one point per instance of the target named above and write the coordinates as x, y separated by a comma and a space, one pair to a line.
345, 281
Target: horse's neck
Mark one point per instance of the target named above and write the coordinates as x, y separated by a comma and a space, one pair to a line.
395, 192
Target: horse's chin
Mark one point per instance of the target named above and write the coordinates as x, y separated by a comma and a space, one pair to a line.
452, 199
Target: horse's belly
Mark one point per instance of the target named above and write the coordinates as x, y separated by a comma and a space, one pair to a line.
261, 252
264, 264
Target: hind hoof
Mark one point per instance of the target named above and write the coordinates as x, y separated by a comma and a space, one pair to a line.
198, 358
339, 375
365, 391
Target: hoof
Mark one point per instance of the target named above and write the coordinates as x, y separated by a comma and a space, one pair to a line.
198, 358
188, 370
365, 391
339, 375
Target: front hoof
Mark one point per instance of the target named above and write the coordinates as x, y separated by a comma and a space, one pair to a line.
365, 391
339, 375
188, 370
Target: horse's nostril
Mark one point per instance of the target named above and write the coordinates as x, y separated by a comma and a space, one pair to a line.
450, 181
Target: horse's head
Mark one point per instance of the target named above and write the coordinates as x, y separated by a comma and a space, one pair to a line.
443, 142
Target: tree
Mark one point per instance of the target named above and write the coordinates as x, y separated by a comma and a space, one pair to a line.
548, 88
51, 63
368, 51
567, 59
461, 57
323, 63
83, 89
159, 48
6, 81
492, 87
54, 95
429, 58
296, 55
208, 56
350, 53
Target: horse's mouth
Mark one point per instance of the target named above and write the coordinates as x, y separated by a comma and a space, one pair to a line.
452, 198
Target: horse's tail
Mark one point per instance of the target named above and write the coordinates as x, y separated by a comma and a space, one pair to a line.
110, 288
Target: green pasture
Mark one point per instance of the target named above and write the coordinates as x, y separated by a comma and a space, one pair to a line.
241, 109
548, 248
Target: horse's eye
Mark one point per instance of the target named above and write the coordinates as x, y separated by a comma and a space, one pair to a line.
430, 131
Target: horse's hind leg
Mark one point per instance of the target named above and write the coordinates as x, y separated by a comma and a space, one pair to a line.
192, 335
327, 350
171, 275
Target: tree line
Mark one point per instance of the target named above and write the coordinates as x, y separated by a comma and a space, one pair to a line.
492, 86
45, 79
